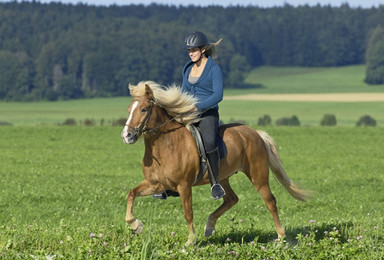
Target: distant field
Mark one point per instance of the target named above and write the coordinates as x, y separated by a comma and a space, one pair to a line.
309, 113
48, 113
273, 80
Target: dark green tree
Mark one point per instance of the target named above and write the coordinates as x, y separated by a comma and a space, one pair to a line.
238, 68
16, 75
63, 51
375, 57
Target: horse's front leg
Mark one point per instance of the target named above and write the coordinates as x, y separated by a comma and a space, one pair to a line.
144, 189
186, 198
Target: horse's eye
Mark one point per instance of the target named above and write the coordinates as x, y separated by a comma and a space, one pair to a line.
144, 110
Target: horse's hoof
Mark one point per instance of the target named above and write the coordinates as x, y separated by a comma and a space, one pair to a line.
137, 226
190, 242
209, 231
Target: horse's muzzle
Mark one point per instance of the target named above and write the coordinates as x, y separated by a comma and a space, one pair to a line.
129, 137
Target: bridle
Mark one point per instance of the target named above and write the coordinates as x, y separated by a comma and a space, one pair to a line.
142, 129
143, 126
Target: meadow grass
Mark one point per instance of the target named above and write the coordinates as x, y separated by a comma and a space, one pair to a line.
64, 196
277, 80
64, 188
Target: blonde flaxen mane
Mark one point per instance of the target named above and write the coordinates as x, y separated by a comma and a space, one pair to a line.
179, 105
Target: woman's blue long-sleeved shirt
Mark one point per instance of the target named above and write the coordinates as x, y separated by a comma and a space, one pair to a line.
208, 89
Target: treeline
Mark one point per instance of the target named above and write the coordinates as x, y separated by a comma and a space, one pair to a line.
63, 51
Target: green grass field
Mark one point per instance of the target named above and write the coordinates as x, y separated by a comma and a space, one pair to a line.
64, 188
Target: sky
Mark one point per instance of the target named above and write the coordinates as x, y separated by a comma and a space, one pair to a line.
225, 3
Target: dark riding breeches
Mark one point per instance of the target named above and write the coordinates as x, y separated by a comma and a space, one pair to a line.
209, 125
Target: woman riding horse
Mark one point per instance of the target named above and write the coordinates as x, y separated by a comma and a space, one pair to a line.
162, 116
202, 78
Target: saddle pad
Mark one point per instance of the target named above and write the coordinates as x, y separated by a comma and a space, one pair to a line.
201, 150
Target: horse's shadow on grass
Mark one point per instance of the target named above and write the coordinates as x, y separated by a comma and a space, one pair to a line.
263, 237
240, 237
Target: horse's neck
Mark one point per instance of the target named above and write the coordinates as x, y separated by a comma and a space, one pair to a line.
166, 137
167, 134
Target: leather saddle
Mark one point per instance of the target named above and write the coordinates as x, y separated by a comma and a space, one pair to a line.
195, 131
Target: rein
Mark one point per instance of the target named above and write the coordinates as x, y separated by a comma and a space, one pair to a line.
157, 127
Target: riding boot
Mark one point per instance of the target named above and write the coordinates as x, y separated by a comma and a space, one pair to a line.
214, 161
165, 194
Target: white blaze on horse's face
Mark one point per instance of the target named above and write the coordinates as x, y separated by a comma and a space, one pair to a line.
124, 133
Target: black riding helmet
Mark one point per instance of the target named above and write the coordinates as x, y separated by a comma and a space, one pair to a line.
195, 39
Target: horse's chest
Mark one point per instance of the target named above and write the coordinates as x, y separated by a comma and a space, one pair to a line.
169, 159
157, 168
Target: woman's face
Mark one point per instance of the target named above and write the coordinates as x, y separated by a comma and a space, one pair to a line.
195, 54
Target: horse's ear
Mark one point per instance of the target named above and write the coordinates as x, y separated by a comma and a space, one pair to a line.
130, 88
148, 91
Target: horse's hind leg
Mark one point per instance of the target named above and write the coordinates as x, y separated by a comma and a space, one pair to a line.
270, 201
258, 173
230, 199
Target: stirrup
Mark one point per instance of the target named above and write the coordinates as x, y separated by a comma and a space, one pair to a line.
217, 191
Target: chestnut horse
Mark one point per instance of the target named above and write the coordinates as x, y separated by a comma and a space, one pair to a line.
171, 161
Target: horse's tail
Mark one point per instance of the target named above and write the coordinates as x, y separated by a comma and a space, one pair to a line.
278, 170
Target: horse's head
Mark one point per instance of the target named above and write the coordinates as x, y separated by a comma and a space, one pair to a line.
139, 113
155, 107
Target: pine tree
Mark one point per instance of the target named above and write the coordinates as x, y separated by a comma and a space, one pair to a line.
375, 57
